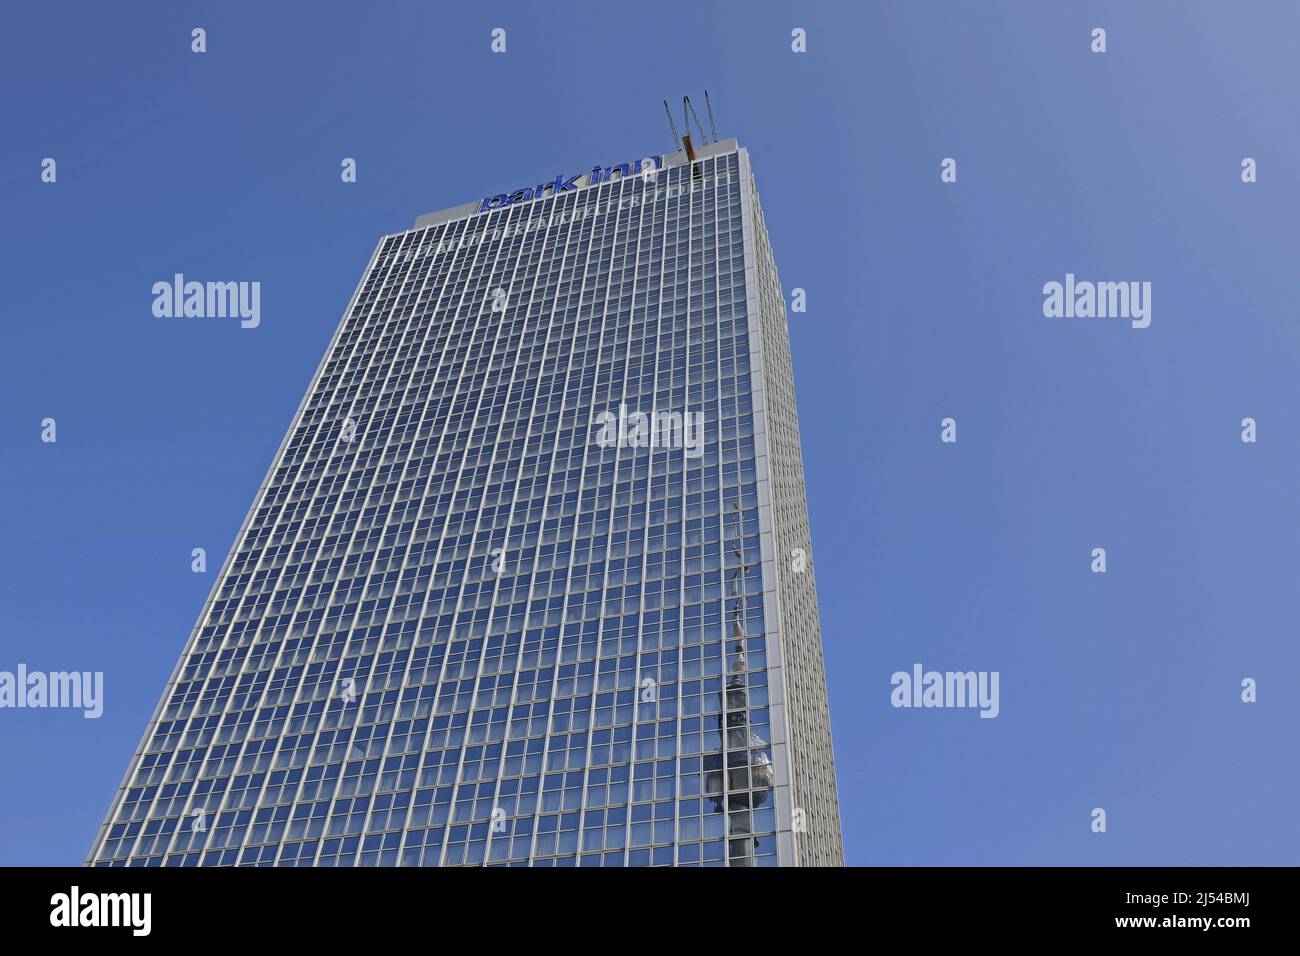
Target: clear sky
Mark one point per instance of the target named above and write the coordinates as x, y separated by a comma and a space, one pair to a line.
924, 301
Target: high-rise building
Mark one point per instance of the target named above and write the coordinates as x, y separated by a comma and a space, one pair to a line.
529, 579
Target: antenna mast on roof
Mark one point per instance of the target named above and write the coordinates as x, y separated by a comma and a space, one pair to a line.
688, 113
677, 141
684, 142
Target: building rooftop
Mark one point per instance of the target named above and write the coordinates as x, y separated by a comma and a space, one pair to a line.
473, 208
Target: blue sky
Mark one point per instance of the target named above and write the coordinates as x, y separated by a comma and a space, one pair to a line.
1119, 691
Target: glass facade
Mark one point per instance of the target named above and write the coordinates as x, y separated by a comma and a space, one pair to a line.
458, 629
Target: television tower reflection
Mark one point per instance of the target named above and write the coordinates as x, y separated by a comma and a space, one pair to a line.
740, 779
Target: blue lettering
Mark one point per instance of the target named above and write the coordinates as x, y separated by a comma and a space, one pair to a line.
562, 185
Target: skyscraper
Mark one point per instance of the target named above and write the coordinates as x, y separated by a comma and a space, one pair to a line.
529, 579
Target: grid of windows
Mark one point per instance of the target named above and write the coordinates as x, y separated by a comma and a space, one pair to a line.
454, 629
812, 774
